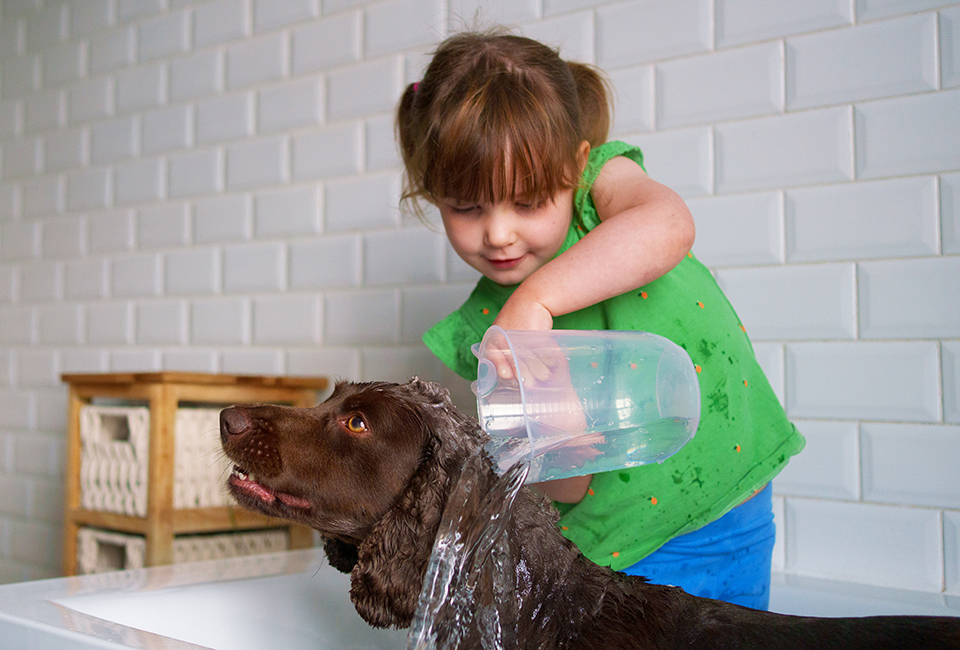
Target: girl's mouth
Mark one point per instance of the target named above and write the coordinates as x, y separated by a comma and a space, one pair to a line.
505, 264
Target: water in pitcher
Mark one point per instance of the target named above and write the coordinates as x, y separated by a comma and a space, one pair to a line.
555, 454
581, 402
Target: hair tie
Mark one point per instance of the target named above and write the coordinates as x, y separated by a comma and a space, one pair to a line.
416, 86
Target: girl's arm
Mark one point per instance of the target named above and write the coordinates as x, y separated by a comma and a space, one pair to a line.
645, 231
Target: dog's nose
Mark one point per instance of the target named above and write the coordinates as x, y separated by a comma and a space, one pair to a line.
232, 423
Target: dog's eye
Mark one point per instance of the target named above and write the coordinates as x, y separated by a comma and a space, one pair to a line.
355, 424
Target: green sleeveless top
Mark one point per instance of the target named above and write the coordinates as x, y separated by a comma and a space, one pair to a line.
744, 438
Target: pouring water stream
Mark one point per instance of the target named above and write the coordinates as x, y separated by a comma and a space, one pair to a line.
469, 591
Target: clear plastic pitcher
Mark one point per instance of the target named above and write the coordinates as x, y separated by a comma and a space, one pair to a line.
578, 402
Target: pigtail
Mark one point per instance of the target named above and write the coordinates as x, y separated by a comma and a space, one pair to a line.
405, 128
594, 93
404, 123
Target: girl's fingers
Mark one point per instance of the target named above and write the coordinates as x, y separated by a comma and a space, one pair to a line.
535, 367
533, 370
501, 361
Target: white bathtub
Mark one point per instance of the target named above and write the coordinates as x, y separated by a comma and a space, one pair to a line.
284, 600
805, 596
293, 600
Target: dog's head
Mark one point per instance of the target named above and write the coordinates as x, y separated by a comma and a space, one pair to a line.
370, 469
340, 466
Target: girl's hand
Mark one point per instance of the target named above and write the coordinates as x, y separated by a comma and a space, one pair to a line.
518, 314
521, 313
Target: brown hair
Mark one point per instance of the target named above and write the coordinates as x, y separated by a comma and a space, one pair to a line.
498, 116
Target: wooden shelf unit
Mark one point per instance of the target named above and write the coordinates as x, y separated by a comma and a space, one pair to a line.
164, 392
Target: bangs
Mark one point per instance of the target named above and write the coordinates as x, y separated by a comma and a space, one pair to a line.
501, 144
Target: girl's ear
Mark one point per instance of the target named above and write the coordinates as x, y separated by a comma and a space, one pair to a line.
583, 153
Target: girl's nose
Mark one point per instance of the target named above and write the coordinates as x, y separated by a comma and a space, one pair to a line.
498, 231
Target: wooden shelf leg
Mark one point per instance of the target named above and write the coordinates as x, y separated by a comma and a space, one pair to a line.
71, 501
163, 413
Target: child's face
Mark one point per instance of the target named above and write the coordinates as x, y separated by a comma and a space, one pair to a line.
507, 241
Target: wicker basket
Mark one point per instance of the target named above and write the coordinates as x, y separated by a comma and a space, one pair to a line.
115, 448
99, 551
200, 467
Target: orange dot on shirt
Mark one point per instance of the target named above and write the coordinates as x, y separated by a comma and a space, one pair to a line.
737, 448
744, 382
616, 554
633, 366
564, 528
485, 311
644, 294
698, 368
700, 305
590, 491
594, 364
653, 500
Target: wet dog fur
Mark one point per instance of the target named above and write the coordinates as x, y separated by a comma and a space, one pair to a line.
371, 469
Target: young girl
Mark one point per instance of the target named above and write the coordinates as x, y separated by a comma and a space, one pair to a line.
568, 231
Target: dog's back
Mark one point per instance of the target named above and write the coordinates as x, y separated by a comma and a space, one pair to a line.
582, 605
565, 601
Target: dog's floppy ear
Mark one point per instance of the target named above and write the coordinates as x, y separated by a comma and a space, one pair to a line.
392, 560
342, 556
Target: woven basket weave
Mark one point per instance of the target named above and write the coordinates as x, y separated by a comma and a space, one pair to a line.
99, 550
114, 459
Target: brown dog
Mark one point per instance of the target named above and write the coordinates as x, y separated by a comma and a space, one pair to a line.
371, 469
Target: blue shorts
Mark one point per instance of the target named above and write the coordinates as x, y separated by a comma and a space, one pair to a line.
728, 559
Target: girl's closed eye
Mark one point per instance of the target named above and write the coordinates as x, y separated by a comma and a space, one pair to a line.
531, 206
531, 202
461, 208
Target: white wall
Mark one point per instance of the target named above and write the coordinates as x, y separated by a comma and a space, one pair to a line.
212, 186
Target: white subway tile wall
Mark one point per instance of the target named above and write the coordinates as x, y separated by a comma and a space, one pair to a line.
572, 32
720, 86
852, 380
890, 57
951, 381
847, 540
739, 229
950, 52
681, 159
212, 185
950, 212
894, 218
951, 561
801, 302
911, 134
829, 466
920, 472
